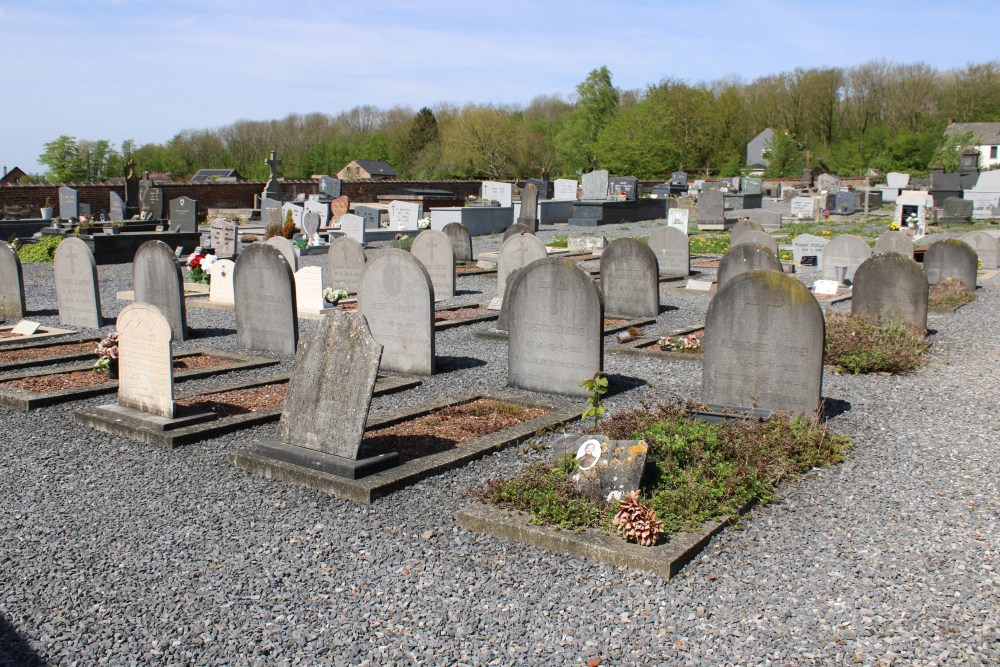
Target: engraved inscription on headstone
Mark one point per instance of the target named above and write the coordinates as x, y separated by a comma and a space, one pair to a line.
78, 294
223, 237
433, 249
182, 215
309, 289
264, 294
345, 262
145, 360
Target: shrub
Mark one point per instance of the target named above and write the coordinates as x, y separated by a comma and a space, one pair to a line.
273, 229
949, 294
856, 344
42, 250
559, 241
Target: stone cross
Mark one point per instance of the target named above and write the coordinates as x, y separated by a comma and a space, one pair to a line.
273, 162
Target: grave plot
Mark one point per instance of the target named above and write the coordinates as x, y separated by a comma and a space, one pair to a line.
25, 332
612, 325
947, 297
860, 344
593, 498
682, 344
696, 286
445, 317
30, 390
474, 268
28, 355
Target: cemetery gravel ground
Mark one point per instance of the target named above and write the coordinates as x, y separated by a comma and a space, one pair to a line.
119, 553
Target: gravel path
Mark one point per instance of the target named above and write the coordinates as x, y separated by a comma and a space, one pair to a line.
120, 554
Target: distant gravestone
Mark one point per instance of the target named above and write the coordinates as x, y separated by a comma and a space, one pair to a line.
154, 202
630, 281
764, 337
320, 209
517, 252
338, 209
329, 188
182, 215
556, 328
220, 288
565, 189
894, 241
893, 287
529, 208
265, 303
672, 249
846, 202
678, 218
371, 215
828, 183
711, 208
353, 227
515, 229
309, 290
986, 247
461, 241
760, 238
345, 262
951, 260
116, 207
768, 220
310, 225
502, 193
78, 293
223, 237
433, 249
397, 299
157, 280
897, 180
807, 249
751, 186
742, 227
145, 360
285, 247
744, 259
803, 208
12, 305
595, 185
593, 245
544, 187
270, 212
404, 214
844, 250
628, 186
69, 203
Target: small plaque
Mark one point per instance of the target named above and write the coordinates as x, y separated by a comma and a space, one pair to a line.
828, 287
810, 260
699, 285
25, 328
495, 303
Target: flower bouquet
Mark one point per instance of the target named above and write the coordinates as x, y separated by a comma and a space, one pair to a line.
107, 356
333, 295
199, 265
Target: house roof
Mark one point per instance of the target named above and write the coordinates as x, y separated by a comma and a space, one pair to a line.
983, 133
208, 174
376, 167
13, 176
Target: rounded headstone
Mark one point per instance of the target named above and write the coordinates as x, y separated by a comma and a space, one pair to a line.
743, 259
265, 303
145, 360
986, 246
397, 298
287, 249
764, 337
951, 260
757, 237
517, 228
345, 262
78, 294
891, 286
845, 250
157, 279
12, 305
742, 227
894, 241
672, 248
310, 222
629, 279
556, 328
461, 240
516, 253
433, 249
339, 207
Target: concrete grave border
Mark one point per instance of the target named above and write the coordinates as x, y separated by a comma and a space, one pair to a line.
493, 334
638, 347
44, 332
45, 361
451, 324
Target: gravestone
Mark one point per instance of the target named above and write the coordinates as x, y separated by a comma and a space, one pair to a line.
345, 261
154, 202
845, 202
353, 227
329, 188
986, 247
744, 259
608, 470
397, 299
285, 247
678, 218
223, 237
69, 203
515, 229
897, 180
529, 208
894, 241
751, 186
157, 280
502, 193
433, 249
630, 281
768, 220
957, 211
891, 286
310, 226
116, 207
711, 208
555, 320
627, 185
807, 249
320, 209
12, 305
145, 360
220, 288
764, 337
844, 250
595, 185
828, 183
565, 189
309, 290
182, 215
760, 238
296, 212
338, 209
404, 214
516, 253
742, 227
672, 248
803, 208
265, 303
272, 189
78, 293
543, 186
951, 260
270, 212
461, 241
371, 215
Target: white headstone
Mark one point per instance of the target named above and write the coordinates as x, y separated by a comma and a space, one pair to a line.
309, 289
499, 192
404, 214
678, 218
565, 189
145, 360
296, 213
220, 288
803, 208
322, 209
353, 226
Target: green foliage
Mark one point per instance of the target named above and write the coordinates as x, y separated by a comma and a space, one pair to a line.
42, 250
403, 242
598, 387
559, 241
856, 344
949, 294
948, 152
714, 244
786, 155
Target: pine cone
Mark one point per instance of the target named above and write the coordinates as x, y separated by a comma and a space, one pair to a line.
636, 522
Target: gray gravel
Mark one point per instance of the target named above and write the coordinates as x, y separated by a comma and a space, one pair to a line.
122, 554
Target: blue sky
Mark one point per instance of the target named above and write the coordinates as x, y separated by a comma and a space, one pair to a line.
117, 69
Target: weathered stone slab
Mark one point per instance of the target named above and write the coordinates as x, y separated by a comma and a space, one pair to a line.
712, 208
12, 306
285, 247
345, 263
529, 208
116, 207
433, 249
894, 241
987, 248
757, 237
672, 248
742, 227
629, 279
595, 185
220, 288
265, 303
764, 337
78, 293
845, 250
309, 290
517, 252
891, 286
744, 259
157, 280
461, 241
951, 260
145, 360
594, 245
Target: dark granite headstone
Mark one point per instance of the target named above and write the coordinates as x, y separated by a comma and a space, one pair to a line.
672, 248
461, 241
629, 279
272, 189
945, 186
894, 241
132, 203
751, 186
154, 202
745, 258
12, 305
157, 280
345, 261
183, 216
845, 202
433, 249
270, 212
711, 208
764, 337
69, 203
957, 211
330, 188
891, 286
951, 260
544, 187
265, 302
679, 177
627, 185
78, 294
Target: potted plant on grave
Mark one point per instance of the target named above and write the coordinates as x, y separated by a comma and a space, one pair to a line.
107, 357
47, 209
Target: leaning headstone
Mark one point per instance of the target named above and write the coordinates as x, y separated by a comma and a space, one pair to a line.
565, 189
678, 218
116, 207
672, 248
461, 241
157, 280
951, 260
345, 261
744, 259
742, 227
397, 299
182, 215
760, 238
220, 287
285, 247
807, 249
711, 209
69, 203
630, 282
844, 250
595, 185
516, 253
433, 249
764, 336
529, 208
264, 296
894, 241
223, 237
986, 247
78, 293
145, 360
556, 328
309, 290
893, 287
11, 284
515, 229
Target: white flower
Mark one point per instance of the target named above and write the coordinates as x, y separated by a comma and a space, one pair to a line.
424, 223
207, 261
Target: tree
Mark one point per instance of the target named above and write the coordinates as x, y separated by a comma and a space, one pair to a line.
786, 156
484, 141
61, 156
597, 102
